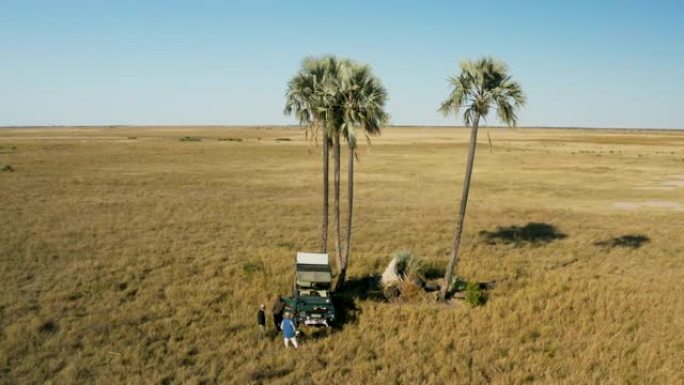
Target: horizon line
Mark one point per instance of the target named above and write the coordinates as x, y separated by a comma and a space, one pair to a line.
257, 126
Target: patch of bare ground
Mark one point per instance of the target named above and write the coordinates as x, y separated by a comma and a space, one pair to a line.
675, 182
663, 205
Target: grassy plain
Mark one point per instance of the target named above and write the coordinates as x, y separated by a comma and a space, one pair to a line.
129, 256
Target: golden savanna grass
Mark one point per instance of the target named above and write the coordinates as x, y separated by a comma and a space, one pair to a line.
129, 256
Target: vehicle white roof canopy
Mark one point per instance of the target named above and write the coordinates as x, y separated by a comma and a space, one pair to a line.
312, 258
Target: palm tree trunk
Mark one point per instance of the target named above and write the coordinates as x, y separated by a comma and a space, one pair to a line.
324, 224
350, 206
336, 207
462, 210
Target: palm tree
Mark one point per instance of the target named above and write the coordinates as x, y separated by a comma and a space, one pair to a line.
337, 96
306, 98
482, 85
361, 100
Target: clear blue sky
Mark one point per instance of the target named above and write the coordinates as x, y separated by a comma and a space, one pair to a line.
581, 63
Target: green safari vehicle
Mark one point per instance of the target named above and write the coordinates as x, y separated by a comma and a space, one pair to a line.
311, 301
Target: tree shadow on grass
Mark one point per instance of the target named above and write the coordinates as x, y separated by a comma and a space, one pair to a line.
433, 270
632, 241
346, 311
533, 233
363, 288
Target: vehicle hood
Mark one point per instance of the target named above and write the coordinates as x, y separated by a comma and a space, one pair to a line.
315, 301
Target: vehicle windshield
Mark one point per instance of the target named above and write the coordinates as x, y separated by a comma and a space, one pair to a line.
314, 293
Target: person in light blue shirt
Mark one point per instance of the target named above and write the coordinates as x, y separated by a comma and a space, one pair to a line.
289, 330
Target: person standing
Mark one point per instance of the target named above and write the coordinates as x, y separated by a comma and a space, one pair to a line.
277, 311
261, 320
289, 331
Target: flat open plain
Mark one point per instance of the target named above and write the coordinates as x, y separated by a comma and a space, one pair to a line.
129, 256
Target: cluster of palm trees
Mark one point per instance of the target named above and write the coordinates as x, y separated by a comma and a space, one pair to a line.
340, 99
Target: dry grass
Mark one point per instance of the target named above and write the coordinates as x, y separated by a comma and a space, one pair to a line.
131, 257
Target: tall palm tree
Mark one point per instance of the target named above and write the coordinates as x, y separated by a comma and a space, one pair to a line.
481, 86
338, 97
361, 101
333, 112
306, 97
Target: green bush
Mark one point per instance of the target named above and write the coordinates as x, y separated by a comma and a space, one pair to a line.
474, 295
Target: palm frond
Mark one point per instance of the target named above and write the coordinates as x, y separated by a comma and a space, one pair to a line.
481, 85
337, 95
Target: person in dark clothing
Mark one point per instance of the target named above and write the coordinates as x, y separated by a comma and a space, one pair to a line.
261, 320
277, 309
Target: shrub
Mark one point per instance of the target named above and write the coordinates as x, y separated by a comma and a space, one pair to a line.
409, 278
408, 264
6, 168
190, 139
474, 295
411, 291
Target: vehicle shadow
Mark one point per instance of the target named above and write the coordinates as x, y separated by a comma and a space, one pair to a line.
631, 241
533, 233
